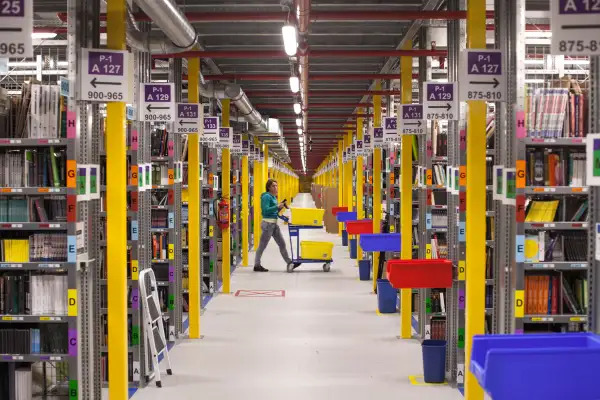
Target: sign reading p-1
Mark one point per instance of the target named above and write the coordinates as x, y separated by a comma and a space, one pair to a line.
188, 118
157, 102
412, 119
104, 76
575, 27
16, 26
441, 101
390, 130
482, 76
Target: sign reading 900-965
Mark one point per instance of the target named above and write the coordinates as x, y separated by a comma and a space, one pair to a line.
16, 26
482, 76
158, 104
575, 27
188, 118
104, 75
412, 119
441, 101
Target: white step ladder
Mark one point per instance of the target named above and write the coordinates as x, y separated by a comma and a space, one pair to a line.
153, 324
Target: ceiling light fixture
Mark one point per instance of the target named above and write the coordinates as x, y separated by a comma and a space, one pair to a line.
298, 122
297, 108
43, 35
299, 131
290, 39
294, 84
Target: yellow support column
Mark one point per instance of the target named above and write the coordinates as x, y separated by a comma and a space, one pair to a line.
349, 180
377, 186
406, 195
226, 193
265, 165
194, 205
258, 189
360, 212
476, 180
340, 183
116, 217
245, 209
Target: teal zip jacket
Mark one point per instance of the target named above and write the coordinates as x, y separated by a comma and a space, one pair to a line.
269, 206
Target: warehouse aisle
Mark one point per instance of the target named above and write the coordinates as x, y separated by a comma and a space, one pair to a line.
323, 340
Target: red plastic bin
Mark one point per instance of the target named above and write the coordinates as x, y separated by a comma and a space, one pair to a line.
335, 210
420, 274
359, 227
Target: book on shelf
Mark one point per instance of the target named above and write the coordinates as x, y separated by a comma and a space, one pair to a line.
544, 293
541, 210
48, 338
44, 167
159, 142
556, 167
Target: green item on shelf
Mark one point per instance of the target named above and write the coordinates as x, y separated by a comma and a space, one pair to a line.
428, 305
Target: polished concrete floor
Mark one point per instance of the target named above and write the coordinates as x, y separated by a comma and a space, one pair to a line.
323, 340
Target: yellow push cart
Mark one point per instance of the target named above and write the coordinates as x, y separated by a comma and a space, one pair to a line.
307, 252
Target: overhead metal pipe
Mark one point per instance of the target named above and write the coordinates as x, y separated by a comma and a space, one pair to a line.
312, 53
168, 17
324, 93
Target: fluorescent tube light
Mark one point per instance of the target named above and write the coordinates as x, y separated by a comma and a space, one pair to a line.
43, 35
290, 41
297, 108
294, 84
298, 122
299, 131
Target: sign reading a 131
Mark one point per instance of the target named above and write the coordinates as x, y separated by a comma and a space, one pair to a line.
188, 118
482, 76
441, 101
412, 120
157, 102
575, 27
104, 76
16, 26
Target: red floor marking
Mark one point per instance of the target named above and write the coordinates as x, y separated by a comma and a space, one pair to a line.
260, 293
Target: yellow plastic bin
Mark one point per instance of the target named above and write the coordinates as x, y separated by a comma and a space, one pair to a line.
308, 216
316, 250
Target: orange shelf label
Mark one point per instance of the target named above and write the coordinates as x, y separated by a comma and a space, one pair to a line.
520, 184
71, 174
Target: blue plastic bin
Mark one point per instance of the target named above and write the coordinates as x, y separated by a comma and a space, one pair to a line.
386, 297
353, 248
346, 216
556, 366
380, 242
364, 270
345, 238
434, 360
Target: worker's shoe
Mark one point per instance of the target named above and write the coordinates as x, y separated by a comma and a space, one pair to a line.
260, 268
296, 265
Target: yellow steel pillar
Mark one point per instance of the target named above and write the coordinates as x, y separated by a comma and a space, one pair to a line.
245, 208
360, 212
265, 165
476, 180
340, 181
226, 193
194, 205
349, 183
377, 186
406, 194
116, 212
258, 189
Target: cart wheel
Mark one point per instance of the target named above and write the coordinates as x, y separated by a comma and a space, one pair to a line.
290, 267
327, 267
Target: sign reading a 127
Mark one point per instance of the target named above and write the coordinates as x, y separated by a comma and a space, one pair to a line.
188, 118
482, 76
575, 27
157, 102
441, 102
104, 75
412, 120
16, 26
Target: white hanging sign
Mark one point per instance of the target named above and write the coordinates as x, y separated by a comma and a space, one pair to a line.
188, 118
104, 75
245, 147
575, 27
16, 27
482, 76
225, 138
378, 142
411, 119
390, 130
157, 102
236, 144
367, 144
210, 133
592, 159
441, 101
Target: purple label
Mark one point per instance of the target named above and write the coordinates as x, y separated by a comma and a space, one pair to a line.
171, 273
73, 342
187, 110
378, 133
245, 144
105, 63
578, 7
519, 331
359, 145
440, 92
237, 139
596, 144
412, 111
367, 139
344, 154
157, 93
211, 245
461, 299
12, 8
251, 148
484, 63
211, 123
353, 148
224, 133
135, 298
391, 123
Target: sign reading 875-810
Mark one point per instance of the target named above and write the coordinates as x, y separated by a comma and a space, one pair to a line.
575, 27
16, 26
482, 76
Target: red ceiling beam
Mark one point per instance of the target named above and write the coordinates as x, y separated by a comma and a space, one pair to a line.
324, 93
241, 54
286, 77
278, 106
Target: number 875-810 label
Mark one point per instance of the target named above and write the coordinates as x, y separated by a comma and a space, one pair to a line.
579, 46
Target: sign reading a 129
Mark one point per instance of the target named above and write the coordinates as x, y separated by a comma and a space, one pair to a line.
16, 26
482, 76
412, 119
575, 27
157, 102
441, 102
